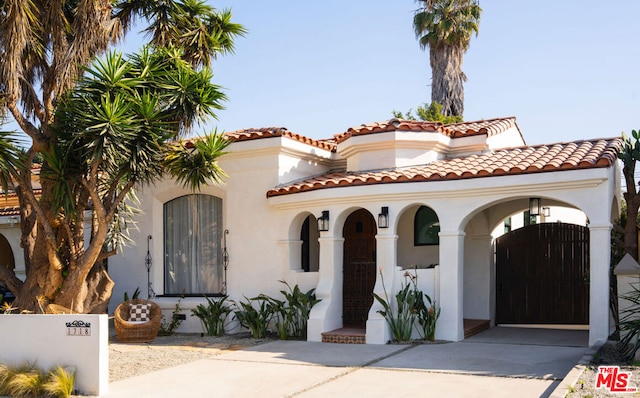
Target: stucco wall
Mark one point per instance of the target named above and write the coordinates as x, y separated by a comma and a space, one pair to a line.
43, 339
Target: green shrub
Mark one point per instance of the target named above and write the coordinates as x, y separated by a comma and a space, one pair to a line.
213, 316
256, 320
411, 305
630, 323
169, 328
136, 294
427, 314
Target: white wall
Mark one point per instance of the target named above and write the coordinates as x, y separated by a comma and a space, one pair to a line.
43, 339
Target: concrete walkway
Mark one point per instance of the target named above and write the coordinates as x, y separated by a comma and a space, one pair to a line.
481, 366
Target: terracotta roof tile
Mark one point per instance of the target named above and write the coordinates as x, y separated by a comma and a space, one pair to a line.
268, 132
489, 127
522, 160
9, 205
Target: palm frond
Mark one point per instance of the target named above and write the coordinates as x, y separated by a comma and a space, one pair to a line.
195, 166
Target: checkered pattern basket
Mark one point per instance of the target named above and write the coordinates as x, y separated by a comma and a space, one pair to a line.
137, 332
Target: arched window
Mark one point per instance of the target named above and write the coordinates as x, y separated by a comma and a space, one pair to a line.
426, 227
192, 245
309, 261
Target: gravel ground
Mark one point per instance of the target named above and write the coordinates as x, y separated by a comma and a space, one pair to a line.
128, 360
607, 355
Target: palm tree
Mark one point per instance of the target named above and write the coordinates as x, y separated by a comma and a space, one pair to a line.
446, 26
101, 126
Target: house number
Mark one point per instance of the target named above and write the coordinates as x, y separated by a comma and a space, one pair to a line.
78, 328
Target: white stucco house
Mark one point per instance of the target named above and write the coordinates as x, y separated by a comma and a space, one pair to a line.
390, 195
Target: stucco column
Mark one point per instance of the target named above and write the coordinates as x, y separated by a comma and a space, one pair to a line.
378, 331
600, 255
327, 314
450, 326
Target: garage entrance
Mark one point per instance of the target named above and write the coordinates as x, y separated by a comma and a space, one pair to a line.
542, 275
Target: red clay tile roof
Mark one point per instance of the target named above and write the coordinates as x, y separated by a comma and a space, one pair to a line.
464, 129
9, 205
523, 160
268, 132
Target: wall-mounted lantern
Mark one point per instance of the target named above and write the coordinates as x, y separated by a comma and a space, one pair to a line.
546, 211
534, 206
323, 221
383, 217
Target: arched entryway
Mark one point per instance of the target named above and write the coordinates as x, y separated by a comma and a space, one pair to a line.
359, 267
542, 275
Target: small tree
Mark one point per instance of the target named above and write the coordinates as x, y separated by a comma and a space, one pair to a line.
428, 112
103, 128
630, 155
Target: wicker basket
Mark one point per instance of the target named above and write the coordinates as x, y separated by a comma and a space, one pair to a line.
130, 332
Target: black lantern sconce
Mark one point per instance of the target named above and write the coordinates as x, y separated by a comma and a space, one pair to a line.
546, 211
383, 217
534, 206
323, 221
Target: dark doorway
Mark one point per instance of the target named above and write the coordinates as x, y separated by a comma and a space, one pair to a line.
542, 275
359, 267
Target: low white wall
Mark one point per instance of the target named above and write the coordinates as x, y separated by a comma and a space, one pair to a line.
45, 340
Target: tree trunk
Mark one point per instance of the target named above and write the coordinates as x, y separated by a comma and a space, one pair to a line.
447, 79
83, 287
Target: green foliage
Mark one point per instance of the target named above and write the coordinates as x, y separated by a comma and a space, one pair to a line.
136, 294
630, 322
401, 318
213, 316
194, 165
630, 152
256, 320
169, 328
446, 22
412, 305
428, 112
428, 315
292, 313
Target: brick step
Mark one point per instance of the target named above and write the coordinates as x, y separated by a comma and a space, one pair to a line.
475, 326
347, 335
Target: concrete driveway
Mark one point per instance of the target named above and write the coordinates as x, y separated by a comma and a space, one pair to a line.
495, 363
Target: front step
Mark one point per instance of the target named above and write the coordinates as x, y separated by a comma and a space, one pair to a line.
474, 326
347, 335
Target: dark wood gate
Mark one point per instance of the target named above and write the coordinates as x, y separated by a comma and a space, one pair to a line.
359, 267
542, 275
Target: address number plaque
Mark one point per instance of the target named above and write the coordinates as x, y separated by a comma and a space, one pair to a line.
78, 328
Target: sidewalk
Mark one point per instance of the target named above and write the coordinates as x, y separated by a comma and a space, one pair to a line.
303, 369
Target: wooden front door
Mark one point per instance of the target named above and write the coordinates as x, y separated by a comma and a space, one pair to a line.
359, 267
542, 275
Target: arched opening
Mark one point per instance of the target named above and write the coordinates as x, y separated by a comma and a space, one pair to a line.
310, 249
359, 267
418, 238
532, 279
